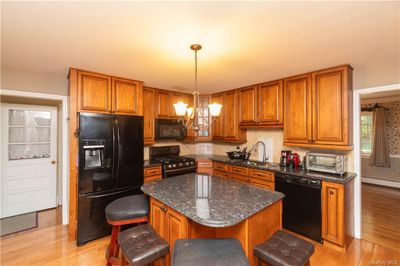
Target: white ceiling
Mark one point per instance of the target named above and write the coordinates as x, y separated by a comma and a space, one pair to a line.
243, 42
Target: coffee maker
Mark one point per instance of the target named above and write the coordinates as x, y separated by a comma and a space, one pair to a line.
285, 157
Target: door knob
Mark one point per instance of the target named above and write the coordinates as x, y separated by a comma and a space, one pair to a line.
53, 162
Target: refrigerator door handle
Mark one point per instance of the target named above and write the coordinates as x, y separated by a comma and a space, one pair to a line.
113, 151
117, 148
108, 194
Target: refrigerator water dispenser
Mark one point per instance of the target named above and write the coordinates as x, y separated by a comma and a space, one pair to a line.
94, 153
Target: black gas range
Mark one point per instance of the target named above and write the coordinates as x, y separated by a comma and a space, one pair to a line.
172, 163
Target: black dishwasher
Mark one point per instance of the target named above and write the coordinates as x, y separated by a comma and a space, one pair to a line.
301, 205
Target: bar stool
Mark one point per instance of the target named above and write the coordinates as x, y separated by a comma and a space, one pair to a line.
127, 210
284, 249
141, 246
210, 252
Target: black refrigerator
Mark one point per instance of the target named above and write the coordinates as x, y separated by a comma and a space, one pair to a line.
110, 167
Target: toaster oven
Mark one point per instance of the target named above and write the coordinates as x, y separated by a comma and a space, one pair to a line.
326, 162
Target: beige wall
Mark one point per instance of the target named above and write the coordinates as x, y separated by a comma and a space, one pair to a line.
391, 173
24, 80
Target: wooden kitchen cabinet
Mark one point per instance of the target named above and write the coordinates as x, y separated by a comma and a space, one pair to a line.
106, 94
204, 166
149, 96
297, 122
218, 130
226, 127
94, 92
164, 104
248, 106
318, 109
168, 224
152, 173
261, 106
337, 202
332, 105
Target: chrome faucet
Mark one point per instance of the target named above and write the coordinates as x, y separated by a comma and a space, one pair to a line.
264, 157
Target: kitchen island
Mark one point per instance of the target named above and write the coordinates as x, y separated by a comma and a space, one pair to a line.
203, 206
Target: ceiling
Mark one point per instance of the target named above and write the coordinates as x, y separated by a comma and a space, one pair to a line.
243, 42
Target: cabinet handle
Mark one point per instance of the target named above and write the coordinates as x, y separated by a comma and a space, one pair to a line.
331, 192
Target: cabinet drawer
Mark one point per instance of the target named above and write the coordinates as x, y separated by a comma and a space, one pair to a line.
263, 184
239, 177
220, 173
152, 171
238, 170
148, 179
205, 170
220, 166
260, 174
204, 163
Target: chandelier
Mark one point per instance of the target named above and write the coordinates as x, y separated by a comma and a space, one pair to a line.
182, 109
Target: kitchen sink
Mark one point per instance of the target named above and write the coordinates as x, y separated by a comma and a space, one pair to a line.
252, 163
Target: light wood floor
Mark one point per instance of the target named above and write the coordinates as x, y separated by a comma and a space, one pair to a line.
381, 215
50, 246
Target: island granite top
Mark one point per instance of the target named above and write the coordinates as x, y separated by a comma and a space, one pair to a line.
210, 200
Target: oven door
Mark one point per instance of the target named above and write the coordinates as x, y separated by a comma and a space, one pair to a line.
170, 129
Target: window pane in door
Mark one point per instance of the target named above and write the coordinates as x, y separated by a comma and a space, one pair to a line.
28, 134
29, 118
28, 151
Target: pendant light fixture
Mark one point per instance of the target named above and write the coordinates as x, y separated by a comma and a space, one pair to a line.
182, 109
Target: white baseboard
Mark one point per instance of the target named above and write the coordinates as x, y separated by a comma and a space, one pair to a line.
380, 182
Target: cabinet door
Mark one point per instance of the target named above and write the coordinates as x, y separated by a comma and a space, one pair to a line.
164, 104
270, 103
248, 106
331, 106
262, 184
297, 122
94, 92
218, 130
157, 217
177, 228
127, 96
333, 212
231, 120
148, 115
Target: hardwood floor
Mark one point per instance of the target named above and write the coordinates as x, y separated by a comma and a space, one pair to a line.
381, 215
50, 246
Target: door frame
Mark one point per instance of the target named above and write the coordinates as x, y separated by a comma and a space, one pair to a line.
64, 138
357, 150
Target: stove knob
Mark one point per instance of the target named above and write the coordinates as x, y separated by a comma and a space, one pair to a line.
191, 162
174, 165
187, 163
180, 164
169, 166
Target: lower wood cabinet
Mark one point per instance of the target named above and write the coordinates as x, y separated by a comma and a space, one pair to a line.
256, 177
204, 166
168, 224
152, 174
337, 213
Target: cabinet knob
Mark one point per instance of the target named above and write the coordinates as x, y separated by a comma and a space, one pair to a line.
331, 192
53, 162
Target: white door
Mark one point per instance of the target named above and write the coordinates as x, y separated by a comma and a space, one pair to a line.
28, 158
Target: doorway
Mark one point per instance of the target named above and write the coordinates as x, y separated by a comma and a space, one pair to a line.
29, 158
377, 162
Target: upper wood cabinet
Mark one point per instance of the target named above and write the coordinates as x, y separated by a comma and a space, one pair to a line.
226, 127
107, 94
127, 96
164, 104
297, 123
248, 106
262, 105
94, 92
149, 96
270, 103
318, 109
332, 101
218, 130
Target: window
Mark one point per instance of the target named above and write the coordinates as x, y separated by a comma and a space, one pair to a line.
203, 117
366, 132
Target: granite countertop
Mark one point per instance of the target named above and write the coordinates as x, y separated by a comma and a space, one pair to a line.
275, 167
210, 200
150, 163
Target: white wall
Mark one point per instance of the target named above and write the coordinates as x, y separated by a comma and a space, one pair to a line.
26, 80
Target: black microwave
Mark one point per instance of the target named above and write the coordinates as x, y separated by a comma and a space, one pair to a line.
170, 129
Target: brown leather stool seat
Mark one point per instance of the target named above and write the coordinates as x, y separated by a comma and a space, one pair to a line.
141, 245
123, 211
284, 249
208, 252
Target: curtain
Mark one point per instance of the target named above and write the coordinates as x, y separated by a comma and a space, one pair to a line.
380, 149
